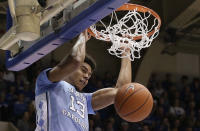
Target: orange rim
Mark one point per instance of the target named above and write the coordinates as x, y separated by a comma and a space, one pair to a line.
130, 7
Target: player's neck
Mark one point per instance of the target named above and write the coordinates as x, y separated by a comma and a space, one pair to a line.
69, 81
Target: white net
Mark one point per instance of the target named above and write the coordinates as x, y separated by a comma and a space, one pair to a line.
134, 31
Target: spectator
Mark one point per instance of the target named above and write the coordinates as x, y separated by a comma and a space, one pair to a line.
125, 126
158, 91
91, 125
109, 125
196, 89
108, 80
189, 129
164, 126
197, 125
99, 84
167, 82
2, 81
190, 108
153, 82
19, 82
24, 123
145, 128
164, 103
11, 96
159, 114
174, 129
3, 107
91, 87
19, 106
97, 120
186, 94
183, 83
31, 111
176, 95
98, 129
28, 93
9, 76
176, 124
195, 84
172, 91
176, 109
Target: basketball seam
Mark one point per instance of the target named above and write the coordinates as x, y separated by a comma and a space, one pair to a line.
129, 87
129, 97
138, 107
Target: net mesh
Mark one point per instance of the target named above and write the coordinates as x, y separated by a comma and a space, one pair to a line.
134, 31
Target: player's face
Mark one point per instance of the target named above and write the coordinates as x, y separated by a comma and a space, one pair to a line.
80, 77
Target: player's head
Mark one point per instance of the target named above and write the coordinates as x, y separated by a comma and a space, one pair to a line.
81, 76
90, 61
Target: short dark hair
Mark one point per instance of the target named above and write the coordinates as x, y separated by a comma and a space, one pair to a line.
90, 61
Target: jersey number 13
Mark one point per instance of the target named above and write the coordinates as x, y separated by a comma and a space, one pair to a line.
81, 109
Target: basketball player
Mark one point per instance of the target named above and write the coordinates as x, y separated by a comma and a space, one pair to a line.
59, 102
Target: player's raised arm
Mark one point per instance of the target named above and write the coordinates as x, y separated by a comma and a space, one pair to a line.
72, 61
125, 74
105, 97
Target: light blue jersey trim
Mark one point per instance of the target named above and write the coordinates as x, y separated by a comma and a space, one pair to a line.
43, 83
89, 103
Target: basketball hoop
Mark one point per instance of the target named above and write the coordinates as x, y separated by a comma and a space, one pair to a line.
134, 31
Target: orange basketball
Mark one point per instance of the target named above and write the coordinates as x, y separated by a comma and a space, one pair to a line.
133, 102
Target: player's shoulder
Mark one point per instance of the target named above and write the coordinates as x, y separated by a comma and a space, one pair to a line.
43, 74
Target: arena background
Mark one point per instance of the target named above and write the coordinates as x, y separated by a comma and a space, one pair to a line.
170, 69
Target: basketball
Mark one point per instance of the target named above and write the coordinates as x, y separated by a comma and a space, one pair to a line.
133, 102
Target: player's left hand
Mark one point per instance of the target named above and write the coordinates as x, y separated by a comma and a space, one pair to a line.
84, 36
87, 35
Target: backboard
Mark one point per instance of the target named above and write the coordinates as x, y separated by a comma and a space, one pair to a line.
60, 28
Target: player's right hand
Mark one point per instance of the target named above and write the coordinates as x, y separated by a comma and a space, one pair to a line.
86, 35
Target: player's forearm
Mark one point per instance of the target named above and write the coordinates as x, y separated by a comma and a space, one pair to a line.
103, 98
125, 74
71, 62
77, 53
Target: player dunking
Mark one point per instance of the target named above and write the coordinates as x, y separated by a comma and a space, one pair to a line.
59, 102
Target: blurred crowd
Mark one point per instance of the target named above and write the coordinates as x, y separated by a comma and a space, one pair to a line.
17, 100
176, 103
176, 106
